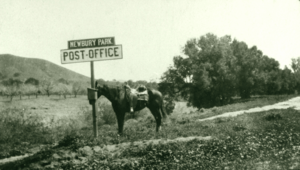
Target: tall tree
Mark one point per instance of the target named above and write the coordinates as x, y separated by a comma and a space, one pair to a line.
296, 70
246, 67
288, 81
207, 76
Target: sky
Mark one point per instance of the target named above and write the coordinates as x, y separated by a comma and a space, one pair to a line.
151, 32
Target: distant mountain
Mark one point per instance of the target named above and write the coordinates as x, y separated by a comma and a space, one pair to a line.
23, 68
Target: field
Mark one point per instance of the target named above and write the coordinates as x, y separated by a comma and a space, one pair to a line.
264, 140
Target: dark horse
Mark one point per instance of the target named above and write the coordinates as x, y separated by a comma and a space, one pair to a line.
120, 104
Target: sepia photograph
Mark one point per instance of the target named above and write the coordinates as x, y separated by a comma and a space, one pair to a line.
149, 85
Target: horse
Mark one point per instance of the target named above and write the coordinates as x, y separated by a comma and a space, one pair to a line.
121, 105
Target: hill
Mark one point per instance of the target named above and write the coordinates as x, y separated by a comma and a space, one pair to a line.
24, 68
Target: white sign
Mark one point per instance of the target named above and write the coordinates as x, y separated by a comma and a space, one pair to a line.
91, 54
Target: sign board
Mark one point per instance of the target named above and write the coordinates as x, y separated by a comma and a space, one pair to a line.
96, 49
89, 43
91, 54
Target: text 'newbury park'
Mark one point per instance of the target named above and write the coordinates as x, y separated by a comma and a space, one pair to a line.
95, 49
91, 50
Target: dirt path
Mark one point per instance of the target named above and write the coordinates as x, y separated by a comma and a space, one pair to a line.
292, 103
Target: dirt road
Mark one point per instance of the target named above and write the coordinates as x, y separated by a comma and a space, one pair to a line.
292, 103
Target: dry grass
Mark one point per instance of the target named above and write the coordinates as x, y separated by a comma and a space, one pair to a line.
53, 119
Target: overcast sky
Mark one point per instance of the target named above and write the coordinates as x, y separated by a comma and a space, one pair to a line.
150, 32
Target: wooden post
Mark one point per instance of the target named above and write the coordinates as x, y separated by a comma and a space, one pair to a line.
94, 103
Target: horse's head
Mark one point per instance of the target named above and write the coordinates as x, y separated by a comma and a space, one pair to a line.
111, 93
102, 90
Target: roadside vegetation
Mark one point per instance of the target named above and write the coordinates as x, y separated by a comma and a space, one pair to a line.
266, 139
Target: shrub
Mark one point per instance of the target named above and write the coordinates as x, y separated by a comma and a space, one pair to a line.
238, 127
222, 119
202, 110
214, 109
107, 113
70, 139
272, 116
18, 126
169, 106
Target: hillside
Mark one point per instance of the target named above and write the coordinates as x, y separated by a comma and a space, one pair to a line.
35, 68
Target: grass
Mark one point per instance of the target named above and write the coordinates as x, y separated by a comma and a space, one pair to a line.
249, 141
73, 128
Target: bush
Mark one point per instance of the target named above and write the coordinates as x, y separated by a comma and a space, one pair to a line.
21, 130
202, 110
214, 109
169, 106
18, 127
70, 139
107, 113
238, 127
273, 116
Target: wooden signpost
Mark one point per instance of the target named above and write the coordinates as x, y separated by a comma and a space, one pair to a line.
90, 50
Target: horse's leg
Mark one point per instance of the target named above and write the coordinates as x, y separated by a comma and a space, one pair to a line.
155, 112
120, 118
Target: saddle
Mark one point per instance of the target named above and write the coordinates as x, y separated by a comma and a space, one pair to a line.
143, 95
136, 95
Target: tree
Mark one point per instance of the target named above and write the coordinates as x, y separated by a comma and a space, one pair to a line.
248, 71
296, 70
32, 81
267, 79
207, 76
143, 82
274, 83
63, 81
288, 81
63, 89
21, 90
30, 89
296, 64
152, 85
11, 87
47, 86
2, 90
130, 83
76, 88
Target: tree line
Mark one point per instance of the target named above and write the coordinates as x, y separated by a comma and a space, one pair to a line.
215, 69
14, 87
131, 83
